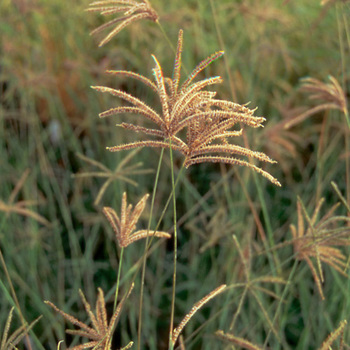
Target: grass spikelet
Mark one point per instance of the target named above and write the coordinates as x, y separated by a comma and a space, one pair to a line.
195, 308
339, 332
125, 225
243, 343
319, 241
133, 11
101, 332
330, 94
209, 122
128, 346
10, 342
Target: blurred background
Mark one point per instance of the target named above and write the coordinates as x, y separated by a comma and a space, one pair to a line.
56, 174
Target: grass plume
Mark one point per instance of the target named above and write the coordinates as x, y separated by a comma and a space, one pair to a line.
319, 241
124, 227
9, 342
101, 332
195, 308
208, 122
133, 11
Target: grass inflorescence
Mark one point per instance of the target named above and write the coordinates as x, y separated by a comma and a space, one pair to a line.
195, 88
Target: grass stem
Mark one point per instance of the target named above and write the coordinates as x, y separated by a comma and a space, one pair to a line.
118, 279
147, 246
171, 345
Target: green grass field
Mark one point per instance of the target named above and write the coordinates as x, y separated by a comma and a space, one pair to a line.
282, 253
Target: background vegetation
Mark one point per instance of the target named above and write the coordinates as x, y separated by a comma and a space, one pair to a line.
53, 236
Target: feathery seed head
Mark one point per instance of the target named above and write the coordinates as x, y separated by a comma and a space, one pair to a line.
195, 308
124, 226
133, 11
100, 332
208, 122
319, 241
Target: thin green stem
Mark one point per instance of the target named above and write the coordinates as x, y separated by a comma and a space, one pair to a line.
13, 292
239, 307
14, 296
222, 45
269, 230
342, 53
146, 249
288, 284
167, 202
171, 344
166, 36
118, 279
257, 182
170, 44
339, 11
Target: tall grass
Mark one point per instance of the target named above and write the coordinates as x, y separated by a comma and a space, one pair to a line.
233, 226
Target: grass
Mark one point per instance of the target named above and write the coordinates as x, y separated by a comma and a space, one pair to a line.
233, 226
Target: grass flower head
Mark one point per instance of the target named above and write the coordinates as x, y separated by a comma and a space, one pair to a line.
208, 123
132, 9
124, 227
101, 332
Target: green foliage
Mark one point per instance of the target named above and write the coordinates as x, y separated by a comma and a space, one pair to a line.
233, 226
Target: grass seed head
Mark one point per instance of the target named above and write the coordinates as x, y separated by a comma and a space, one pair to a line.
124, 226
198, 125
133, 11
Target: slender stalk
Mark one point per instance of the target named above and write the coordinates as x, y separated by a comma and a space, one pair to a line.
13, 292
118, 279
147, 246
222, 45
284, 293
171, 344
342, 48
170, 44
14, 296
257, 182
277, 268
342, 52
166, 36
239, 307
167, 204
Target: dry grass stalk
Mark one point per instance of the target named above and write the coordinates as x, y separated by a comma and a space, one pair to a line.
243, 343
133, 11
121, 172
331, 95
339, 332
125, 225
208, 122
319, 241
101, 333
195, 308
10, 342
